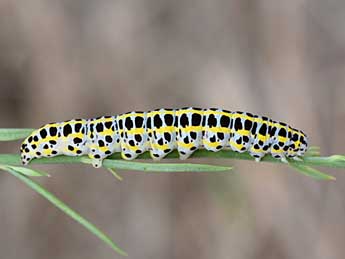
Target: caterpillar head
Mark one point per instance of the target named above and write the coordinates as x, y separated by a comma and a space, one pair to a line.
27, 152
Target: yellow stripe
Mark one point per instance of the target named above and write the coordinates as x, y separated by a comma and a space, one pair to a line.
184, 145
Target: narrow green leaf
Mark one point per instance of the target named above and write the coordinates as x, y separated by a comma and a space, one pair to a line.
62, 206
116, 175
312, 172
27, 171
14, 134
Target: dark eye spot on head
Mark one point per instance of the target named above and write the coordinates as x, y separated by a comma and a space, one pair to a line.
67, 129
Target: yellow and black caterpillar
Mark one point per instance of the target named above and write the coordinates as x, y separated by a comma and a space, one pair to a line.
163, 130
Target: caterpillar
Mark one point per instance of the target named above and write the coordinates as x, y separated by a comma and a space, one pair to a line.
161, 131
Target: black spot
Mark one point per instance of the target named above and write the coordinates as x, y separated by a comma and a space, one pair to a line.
108, 124
203, 123
157, 121
108, 139
77, 127
282, 132
71, 148
79, 151
238, 124
281, 143
167, 150
121, 124
46, 146
265, 148
273, 131
160, 141
53, 142
286, 148
99, 127
239, 141
138, 151
256, 146
261, 142
167, 136
30, 139
52, 131
155, 155
275, 147
148, 123
77, 140
263, 129
108, 152
35, 138
248, 124
100, 143
131, 143
129, 123
276, 156
169, 119
182, 152
186, 140
193, 148
213, 139
43, 133
183, 120
139, 121
224, 121
295, 137
256, 156
176, 122
54, 152
196, 119
27, 150
67, 129
220, 135
255, 125
212, 121
138, 138
245, 139
193, 135
33, 146
243, 148
97, 156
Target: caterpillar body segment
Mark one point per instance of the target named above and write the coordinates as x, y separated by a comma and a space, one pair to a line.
163, 130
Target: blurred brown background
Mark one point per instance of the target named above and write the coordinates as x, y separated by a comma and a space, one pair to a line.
285, 59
